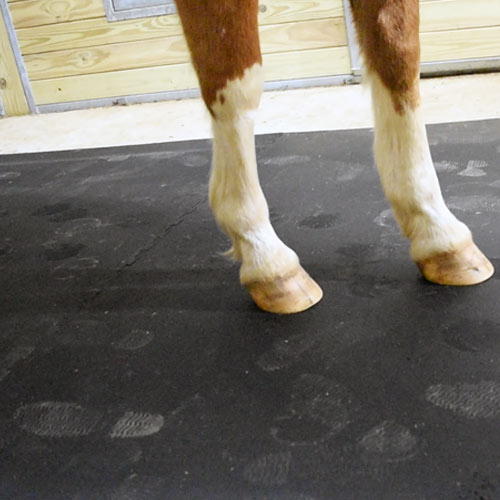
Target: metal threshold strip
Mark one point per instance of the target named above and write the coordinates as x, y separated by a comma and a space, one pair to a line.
461, 66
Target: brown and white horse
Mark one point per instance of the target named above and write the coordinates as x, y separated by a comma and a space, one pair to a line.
223, 39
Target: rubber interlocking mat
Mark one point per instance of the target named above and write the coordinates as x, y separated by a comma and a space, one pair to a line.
133, 366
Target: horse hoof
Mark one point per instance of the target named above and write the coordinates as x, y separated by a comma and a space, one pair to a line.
292, 293
467, 266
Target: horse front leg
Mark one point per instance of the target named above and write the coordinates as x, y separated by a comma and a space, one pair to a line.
223, 39
441, 245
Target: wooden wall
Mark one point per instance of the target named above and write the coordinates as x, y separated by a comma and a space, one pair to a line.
72, 53
459, 29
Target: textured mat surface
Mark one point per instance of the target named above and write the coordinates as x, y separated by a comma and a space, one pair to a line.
133, 366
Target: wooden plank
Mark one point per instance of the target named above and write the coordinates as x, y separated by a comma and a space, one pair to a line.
308, 63
173, 50
285, 11
128, 82
40, 12
290, 37
11, 87
115, 57
461, 44
96, 32
439, 15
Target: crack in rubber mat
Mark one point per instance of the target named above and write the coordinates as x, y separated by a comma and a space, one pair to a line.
134, 366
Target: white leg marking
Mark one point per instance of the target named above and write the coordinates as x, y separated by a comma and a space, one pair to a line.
409, 179
235, 193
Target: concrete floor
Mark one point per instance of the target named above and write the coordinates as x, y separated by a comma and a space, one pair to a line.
445, 100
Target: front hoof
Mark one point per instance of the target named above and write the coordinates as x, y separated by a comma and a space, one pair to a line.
292, 293
467, 266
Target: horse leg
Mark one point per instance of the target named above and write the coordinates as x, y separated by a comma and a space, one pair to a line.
441, 245
222, 36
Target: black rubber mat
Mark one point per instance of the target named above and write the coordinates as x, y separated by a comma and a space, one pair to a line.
133, 366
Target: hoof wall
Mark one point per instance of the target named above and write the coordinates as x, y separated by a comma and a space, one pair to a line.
292, 293
464, 267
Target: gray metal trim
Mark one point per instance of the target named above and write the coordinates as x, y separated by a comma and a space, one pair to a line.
319, 81
113, 15
190, 93
120, 5
119, 101
18, 56
460, 66
2, 109
352, 40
